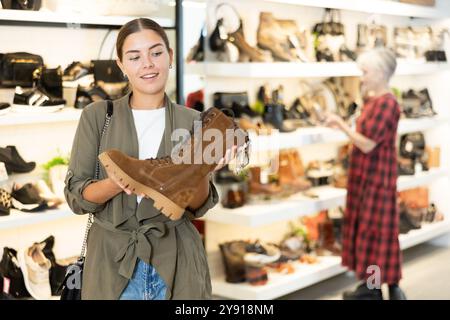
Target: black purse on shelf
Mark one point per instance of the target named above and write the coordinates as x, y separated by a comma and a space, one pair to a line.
72, 284
19, 69
32, 5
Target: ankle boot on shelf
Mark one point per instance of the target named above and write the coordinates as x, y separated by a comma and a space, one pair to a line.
14, 162
271, 37
327, 244
256, 187
247, 52
173, 186
273, 115
287, 176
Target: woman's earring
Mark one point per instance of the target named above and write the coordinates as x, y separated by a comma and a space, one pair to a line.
170, 66
125, 76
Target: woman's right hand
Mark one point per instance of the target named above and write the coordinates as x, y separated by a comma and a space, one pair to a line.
120, 187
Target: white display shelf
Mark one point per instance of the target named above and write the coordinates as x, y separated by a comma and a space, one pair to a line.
424, 234
267, 212
279, 284
372, 6
421, 178
300, 69
20, 219
307, 275
314, 135
73, 18
67, 114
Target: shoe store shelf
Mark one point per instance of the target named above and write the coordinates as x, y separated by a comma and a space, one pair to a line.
281, 284
266, 212
20, 219
307, 275
65, 115
315, 135
301, 70
372, 6
421, 178
297, 205
43, 16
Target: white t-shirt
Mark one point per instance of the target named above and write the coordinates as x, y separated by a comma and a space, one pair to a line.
150, 126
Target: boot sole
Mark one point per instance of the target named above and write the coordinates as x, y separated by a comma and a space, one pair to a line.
169, 208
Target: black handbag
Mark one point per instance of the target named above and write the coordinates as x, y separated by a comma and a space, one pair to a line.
51, 81
412, 145
33, 5
19, 68
72, 284
107, 71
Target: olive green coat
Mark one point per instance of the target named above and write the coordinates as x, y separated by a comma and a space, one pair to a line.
124, 231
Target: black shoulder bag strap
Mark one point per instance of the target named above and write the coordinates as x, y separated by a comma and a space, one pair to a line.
109, 113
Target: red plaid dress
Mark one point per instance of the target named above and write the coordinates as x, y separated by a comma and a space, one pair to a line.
370, 230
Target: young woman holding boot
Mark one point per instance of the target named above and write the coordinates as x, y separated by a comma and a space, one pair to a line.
370, 230
134, 251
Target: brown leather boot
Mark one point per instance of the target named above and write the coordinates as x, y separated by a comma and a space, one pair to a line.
246, 51
256, 187
271, 37
173, 181
327, 244
287, 176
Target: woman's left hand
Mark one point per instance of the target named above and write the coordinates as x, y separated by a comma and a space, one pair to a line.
229, 155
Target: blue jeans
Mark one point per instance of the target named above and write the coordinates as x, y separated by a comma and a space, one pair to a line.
146, 284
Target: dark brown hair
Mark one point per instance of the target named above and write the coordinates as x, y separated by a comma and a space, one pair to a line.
137, 25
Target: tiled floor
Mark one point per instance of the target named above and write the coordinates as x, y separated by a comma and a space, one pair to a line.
426, 275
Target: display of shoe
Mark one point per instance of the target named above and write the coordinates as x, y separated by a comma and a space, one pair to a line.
5, 202
56, 177
362, 292
180, 181
50, 81
327, 245
14, 163
46, 193
58, 270
87, 95
75, 71
292, 248
300, 42
320, 173
26, 194
258, 187
4, 289
270, 36
246, 51
273, 115
35, 100
4, 108
287, 176
36, 267
9, 268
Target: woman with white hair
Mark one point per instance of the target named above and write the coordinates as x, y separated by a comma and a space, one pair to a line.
370, 230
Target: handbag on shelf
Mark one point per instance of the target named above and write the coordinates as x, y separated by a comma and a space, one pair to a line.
330, 38
72, 285
50, 79
371, 36
412, 42
19, 68
33, 5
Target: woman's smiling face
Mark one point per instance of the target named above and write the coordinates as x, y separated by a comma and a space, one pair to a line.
146, 61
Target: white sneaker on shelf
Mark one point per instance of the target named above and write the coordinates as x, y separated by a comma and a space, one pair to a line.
57, 175
47, 194
35, 268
